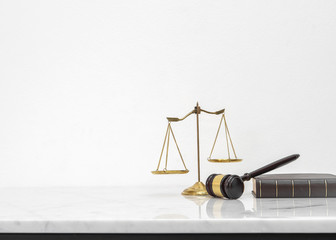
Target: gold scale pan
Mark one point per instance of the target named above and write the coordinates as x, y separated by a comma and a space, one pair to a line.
198, 188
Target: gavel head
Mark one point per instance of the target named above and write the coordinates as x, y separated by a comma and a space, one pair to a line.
228, 186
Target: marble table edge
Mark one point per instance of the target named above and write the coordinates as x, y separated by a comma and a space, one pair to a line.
173, 226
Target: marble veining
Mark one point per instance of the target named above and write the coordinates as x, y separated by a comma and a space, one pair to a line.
155, 210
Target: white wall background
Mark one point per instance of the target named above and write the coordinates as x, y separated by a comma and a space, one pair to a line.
85, 87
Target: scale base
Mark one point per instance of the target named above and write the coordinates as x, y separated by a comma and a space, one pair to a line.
198, 189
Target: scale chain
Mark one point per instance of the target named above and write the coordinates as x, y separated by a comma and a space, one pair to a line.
167, 147
178, 149
226, 127
226, 136
213, 146
164, 143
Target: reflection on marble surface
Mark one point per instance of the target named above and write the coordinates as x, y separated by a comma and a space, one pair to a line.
156, 210
272, 207
220, 208
295, 207
198, 200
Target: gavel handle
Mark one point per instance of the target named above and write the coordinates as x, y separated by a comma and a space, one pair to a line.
270, 167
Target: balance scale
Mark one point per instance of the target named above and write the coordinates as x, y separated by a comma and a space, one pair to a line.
198, 189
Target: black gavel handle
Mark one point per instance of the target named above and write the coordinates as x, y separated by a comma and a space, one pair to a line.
270, 167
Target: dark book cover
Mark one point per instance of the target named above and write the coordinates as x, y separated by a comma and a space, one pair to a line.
295, 185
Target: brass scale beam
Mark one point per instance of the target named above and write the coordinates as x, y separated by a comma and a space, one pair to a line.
197, 111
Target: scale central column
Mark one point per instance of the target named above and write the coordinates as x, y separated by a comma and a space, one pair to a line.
198, 111
198, 189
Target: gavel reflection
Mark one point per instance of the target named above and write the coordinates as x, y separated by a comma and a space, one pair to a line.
217, 208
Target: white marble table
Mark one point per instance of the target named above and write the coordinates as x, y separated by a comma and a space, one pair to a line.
155, 210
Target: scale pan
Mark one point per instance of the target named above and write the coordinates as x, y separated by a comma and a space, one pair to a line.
170, 171
227, 160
